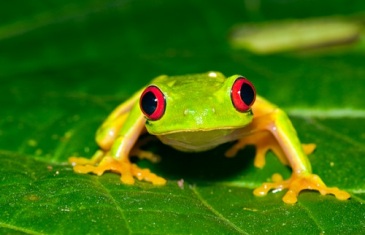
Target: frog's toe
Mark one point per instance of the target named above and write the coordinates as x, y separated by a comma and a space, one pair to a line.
147, 175
231, 152
142, 154
298, 183
98, 155
259, 161
340, 194
85, 167
126, 169
309, 148
79, 161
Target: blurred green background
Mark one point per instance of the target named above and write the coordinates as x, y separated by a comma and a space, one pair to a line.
65, 65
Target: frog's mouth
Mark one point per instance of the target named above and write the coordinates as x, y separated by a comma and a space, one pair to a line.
198, 140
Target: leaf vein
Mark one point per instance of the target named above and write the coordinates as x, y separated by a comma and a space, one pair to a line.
215, 212
119, 209
17, 228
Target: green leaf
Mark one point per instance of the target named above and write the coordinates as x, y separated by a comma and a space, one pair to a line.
66, 65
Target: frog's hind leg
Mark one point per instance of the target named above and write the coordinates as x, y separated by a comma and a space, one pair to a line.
272, 129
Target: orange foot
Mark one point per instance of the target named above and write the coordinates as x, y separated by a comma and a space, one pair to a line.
126, 169
297, 183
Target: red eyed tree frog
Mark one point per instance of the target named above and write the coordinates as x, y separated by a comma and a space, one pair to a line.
196, 113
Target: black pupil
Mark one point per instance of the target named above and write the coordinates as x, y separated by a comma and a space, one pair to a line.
149, 103
247, 94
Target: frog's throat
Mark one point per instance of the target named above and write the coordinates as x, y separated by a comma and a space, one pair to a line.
199, 140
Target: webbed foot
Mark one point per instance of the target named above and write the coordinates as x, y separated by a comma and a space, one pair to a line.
126, 169
101, 163
297, 183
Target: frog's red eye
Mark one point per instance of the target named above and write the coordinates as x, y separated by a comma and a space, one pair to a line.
152, 103
243, 94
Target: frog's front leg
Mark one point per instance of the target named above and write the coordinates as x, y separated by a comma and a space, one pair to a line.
272, 126
116, 148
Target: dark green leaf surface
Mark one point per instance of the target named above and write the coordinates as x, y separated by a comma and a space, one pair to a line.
64, 66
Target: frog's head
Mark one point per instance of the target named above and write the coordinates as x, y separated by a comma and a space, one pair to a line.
199, 109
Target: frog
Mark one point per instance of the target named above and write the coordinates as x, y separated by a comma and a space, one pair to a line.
198, 112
